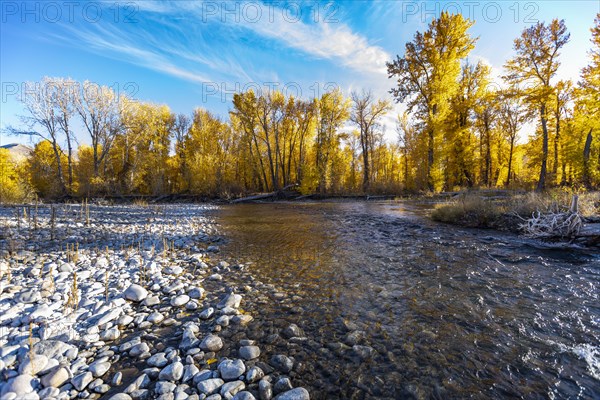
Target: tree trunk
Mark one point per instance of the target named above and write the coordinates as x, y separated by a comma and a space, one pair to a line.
510, 157
587, 181
542, 181
430, 183
59, 171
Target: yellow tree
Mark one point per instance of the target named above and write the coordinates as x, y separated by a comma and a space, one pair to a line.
13, 188
366, 113
589, 93
207, 148
512, 114
43, 170
460, 142
532, 69
332, 110
427, 77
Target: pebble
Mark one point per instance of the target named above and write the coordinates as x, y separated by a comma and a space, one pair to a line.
229, 389
249, 352
135, 293
99, 368
231, 369
82, 380
210, 386
56, 378
294, 394
211, 343
20, 385
282, 363
172, 372
180, 300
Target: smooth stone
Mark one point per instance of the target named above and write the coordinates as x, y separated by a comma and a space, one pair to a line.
265, 389
189, 371
82, 380
121, 396
282, 363
172, 372
135, 293
231, 369
99, 368
206, 314
102, 388
151, 301
110, 334
163, 387
33, 365
180, 300
243, 319
210, 386
294, 394
292, 331
202, 376
249, 352
48, 393
283, 384
231, 300
229, 389
117, 378
157, 360
56, 378
20, 385
254, 374
188, 340
155, 318
30, 296
196, 293
139, 349
244, 396
211, 343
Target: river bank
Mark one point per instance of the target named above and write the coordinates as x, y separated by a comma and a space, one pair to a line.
128, 302
367, 299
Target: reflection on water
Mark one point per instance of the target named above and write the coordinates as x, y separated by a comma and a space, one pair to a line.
449, 312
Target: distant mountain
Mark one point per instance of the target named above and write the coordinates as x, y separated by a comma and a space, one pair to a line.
19, 152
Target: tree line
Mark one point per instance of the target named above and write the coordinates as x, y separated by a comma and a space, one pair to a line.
460, 130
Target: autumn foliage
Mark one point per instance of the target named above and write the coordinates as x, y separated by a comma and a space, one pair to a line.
460, 130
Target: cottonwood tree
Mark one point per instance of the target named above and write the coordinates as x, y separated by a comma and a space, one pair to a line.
332, 111
512, 114
460, 141
64, 92
99, 110
427, 76
532, 69
366, 113
43, 120
562, 96
589, 93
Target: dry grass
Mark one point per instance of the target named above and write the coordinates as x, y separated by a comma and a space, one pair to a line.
472, 209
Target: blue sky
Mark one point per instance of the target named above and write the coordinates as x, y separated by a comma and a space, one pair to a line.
190, 54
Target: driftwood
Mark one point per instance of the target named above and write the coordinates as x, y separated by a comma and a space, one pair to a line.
565, 224
264, 196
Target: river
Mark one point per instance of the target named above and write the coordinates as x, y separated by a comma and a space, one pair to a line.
432, 310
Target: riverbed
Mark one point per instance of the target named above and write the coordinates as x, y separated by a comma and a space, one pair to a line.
349, 300
394, 305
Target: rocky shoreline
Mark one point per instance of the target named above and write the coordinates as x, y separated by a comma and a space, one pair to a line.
129, 302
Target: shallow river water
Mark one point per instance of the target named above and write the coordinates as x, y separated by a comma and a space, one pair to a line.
435, 311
